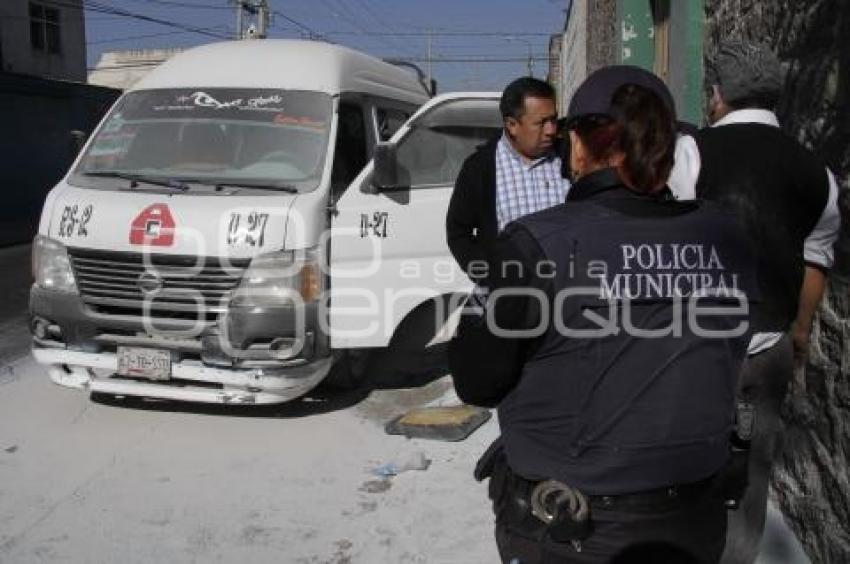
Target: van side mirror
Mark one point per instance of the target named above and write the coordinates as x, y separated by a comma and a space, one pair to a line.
385, 164
78, 140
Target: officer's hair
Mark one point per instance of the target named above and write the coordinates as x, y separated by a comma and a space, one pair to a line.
512, 103
644, 129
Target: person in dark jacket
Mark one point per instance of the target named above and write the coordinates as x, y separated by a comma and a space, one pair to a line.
611, 341
516, 174
787, 201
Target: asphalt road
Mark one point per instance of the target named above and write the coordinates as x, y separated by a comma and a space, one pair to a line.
135, 481
15, 281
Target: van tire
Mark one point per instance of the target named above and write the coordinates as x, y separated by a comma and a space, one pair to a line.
349, 370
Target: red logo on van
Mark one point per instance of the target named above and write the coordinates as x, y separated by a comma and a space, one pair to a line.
154, 226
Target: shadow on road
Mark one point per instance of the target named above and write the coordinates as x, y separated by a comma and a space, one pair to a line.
378, 369
316, 402
408, 365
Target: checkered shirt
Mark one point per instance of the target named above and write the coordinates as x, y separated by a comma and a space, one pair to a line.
526, 187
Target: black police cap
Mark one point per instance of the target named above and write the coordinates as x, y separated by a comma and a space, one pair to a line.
594, 95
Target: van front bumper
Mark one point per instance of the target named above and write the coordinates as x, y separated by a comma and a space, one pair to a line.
190, 380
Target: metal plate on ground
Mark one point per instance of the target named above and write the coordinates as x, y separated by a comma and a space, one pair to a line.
153, 364
453, 423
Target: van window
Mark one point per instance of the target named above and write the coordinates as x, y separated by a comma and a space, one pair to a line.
432, 153
350, 155
255, 136
389, 121
433, 156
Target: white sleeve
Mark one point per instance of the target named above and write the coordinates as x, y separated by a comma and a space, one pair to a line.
683, 177
818, 246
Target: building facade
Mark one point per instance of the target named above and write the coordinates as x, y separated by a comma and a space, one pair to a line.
43, 38
122, 69
663, 36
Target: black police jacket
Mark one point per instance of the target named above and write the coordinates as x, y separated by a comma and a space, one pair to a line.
612, 338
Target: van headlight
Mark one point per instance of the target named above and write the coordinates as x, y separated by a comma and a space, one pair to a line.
282, 278
51, 267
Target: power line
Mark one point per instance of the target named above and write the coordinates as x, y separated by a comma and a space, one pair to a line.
349, 15
366, 5
442, 33
312, 34
408, 59
192, 5
185, 27
106, 9
440, 59
148, 35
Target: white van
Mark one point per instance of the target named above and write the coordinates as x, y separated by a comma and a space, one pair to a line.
193, 250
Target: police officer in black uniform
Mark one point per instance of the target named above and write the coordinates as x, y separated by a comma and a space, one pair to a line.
611, 341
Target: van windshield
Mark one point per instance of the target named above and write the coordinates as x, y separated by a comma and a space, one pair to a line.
260, 137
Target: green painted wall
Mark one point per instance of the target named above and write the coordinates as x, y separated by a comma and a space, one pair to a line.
692, 94
637, 47
637, 36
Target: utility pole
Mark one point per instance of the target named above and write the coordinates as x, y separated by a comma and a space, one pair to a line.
238, 19
257, 8
430, 74
262, 18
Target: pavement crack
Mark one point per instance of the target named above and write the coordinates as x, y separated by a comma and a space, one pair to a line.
12, 541
51, 509
82, 412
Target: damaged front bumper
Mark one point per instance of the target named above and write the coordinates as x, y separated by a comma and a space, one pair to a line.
190, 380
79, 347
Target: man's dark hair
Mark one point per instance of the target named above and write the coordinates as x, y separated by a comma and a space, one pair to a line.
749, 75
512, 103
755, 102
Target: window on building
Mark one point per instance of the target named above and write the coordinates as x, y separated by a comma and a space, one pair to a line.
44, 29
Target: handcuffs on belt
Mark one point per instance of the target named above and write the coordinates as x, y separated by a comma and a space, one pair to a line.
549, 497
564, 510
559, 510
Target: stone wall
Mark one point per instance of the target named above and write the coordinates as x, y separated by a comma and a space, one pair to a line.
812, 480
602, 29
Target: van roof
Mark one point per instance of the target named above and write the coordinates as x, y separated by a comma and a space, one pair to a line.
289, 64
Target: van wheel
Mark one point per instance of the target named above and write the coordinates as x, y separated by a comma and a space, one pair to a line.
408, 361
349, 370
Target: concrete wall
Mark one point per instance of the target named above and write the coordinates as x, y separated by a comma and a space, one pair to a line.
123, 69
553, 74
573, 53
35, 146
18, 54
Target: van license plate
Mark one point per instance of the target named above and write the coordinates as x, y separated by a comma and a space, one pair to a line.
154, 364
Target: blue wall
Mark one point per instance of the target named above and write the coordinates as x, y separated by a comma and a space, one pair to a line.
36, 116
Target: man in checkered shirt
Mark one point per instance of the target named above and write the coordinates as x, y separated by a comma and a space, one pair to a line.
516, 174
